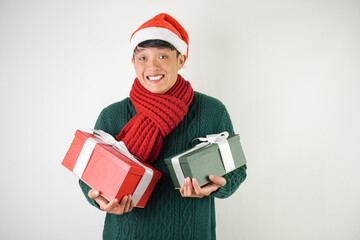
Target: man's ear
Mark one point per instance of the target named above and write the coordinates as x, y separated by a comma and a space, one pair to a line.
181, 61
132, 61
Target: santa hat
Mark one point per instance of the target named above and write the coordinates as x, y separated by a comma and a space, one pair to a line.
162, 27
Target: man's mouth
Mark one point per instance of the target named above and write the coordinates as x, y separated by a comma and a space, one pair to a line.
154, 78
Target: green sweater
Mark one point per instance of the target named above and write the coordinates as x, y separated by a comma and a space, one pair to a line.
168, 215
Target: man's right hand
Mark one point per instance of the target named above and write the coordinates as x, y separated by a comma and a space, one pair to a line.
126, 204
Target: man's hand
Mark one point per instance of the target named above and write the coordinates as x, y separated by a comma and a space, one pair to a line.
126, 204
192, 189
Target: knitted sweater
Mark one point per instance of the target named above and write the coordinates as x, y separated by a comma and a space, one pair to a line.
168, 215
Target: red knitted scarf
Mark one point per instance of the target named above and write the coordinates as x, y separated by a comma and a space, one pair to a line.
157, 115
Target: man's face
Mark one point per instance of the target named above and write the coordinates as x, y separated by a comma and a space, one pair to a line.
156, 68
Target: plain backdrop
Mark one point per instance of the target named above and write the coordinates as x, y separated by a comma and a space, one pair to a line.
287, 71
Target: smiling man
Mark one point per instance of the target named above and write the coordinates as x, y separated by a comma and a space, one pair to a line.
160, 119
157, 68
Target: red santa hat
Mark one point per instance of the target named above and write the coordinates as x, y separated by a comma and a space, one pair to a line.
162, 27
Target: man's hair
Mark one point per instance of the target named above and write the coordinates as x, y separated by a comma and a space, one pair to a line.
156, 44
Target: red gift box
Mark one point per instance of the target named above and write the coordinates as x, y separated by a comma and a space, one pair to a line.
109, 171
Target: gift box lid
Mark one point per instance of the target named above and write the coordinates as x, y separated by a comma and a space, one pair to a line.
108, 151
200, 152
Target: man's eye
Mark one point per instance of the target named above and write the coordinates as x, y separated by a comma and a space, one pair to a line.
163, 57
142, 58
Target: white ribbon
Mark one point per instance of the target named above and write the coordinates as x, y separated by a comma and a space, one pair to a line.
225, 151
106, 138
176, 164
85, 155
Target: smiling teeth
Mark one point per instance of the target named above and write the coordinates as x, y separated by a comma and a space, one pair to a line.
156, 78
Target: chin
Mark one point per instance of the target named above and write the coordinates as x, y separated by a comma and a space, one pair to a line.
158, 92
155, 91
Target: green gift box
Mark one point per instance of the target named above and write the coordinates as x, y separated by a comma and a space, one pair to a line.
217, 156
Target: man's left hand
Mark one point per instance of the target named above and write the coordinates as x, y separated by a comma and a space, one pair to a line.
192, 188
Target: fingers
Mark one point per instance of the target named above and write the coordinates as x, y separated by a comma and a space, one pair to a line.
122, 203
111, 206
185, 190
197, 188
100, 200
93, 193
188, 187
193, 189
131, 205
126, 204
218, 180
182, 189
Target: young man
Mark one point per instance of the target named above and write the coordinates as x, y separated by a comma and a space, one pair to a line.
160, 119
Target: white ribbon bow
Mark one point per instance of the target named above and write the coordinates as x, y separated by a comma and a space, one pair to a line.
225, 151
110, 140
214, 138
106, 138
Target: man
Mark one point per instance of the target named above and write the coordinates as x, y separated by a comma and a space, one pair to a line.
160, 119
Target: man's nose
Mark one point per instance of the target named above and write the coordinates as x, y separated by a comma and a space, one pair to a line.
153, 63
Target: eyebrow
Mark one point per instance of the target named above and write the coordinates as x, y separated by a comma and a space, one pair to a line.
138, 50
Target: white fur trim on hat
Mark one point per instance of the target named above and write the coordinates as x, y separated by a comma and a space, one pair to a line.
152, 33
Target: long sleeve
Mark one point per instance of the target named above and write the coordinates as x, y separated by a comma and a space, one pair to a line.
100, 125
236, 177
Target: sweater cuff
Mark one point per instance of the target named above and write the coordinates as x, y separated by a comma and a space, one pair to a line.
85, 189
233, 181
220, 193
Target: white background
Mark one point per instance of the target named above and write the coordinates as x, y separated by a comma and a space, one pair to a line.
288, 72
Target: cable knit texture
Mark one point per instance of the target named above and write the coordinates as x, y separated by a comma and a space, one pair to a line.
156, 116
167, 215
